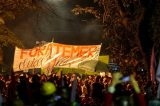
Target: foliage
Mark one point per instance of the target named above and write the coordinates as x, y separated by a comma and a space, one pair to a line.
8, 38
154, 30
79, 10
121, 19
9, 9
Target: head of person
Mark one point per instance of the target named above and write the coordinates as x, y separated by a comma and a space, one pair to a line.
35, 78
22, 79
124, 101
97, 79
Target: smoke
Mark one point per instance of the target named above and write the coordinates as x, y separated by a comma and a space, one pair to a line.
55, 21
53, 1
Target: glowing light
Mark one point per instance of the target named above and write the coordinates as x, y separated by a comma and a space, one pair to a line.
48, 88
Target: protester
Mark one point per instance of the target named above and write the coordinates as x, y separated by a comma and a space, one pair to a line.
96, 90
35, 89
89, 90
12, 90
23, 90
120, 98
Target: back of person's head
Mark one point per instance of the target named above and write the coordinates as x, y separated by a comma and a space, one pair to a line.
22, 79
97, 78
119, 90
122, 98
124, 101
35, 78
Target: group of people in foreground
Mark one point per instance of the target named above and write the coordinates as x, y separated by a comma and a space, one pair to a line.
74, 90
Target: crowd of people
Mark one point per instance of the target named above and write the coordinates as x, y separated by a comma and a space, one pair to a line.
76, 90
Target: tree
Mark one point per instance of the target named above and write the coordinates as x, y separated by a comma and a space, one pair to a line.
9, 10
154, 25
121, 20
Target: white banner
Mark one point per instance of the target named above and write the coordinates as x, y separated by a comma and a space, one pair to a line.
55, 55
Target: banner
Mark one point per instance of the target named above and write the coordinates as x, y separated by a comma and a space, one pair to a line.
25, 59
54, 55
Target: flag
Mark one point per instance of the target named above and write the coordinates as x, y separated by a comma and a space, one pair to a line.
104, 59
152, 65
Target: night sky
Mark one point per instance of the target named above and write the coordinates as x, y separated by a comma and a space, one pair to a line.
64, 27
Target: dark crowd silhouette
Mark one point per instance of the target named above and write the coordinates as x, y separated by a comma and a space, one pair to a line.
25, 89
